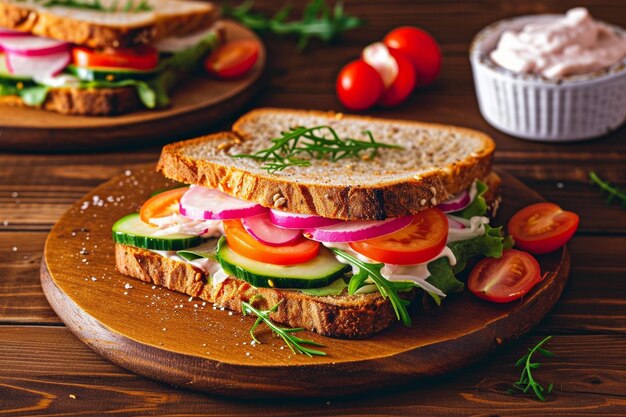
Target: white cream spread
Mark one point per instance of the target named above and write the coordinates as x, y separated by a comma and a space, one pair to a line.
474, 227
209, 266
575, 44
177, 223
58, 81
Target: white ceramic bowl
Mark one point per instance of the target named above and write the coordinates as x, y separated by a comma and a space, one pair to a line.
537, 108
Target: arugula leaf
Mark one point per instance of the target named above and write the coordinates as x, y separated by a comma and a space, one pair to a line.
334, 288
478, 207
32, 94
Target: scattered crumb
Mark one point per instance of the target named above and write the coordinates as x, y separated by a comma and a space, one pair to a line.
14, 194
164, 329
94, 278
125, 292
127, 286
72, 396
560, 185
128, 172
190, 299
6, 222
14, 248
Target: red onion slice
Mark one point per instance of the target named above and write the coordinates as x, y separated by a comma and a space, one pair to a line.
9, 33
299, 221
455, 224
456, 203
32, 45
37, 66
354, 231
202, 203
262, 229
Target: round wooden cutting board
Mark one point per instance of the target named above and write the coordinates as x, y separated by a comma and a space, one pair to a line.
169, 337
196, 104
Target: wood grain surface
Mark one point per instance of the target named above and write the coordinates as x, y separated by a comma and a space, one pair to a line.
177, 339
46, 370
197, 103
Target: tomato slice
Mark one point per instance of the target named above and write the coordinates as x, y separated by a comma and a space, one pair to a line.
233, 59
504, 279
142, 57
244, 244
542, 227
162, 205
419, 242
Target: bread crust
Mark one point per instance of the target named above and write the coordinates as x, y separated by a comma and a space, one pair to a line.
343, 316
85, 101
41, 22
349, 201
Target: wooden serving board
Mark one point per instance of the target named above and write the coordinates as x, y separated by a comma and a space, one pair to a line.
169, 337
196, 104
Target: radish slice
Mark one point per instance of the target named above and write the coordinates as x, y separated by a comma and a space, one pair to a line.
262, 229
456, 203
353, 231
40, 67
9, 33
299, 221
377, 56
32, 45
202, 203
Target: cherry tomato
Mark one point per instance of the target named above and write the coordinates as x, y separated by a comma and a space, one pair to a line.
142, 57
233, 59
504, 279
359, 86
245, 244
162, 205
419, 242
420, 47
404, 83
542, 227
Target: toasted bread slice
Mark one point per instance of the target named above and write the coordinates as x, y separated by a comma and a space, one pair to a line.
343, 316
99, 29
437, 162
85, 102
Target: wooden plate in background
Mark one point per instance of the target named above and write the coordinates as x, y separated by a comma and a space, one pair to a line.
168, 337
196, 104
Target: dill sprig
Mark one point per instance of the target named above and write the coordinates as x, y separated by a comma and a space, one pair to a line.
387, 289
526, 381
311, 142
613, 192
318, 21
131, 6
294, 342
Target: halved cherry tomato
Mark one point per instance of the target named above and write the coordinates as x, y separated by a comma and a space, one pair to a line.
542, 227
244, 244
162, 205
359, 86
419, 242
142, 57
233, 59
504, 279
404, 83
420, 47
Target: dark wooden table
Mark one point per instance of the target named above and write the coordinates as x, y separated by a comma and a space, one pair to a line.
44, 369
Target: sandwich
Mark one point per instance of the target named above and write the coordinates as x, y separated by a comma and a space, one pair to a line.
334, 223
101, 57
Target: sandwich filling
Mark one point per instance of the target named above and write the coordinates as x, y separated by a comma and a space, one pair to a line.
30, 66
223, 237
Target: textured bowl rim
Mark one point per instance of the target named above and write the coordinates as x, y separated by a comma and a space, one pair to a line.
478, 57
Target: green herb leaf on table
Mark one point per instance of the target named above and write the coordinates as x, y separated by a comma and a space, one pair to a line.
300, 141
612, 192
527, 382
295, 343
387, 289
318, 21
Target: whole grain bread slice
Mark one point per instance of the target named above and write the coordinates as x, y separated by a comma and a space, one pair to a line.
116, 29
436, 162
343, 316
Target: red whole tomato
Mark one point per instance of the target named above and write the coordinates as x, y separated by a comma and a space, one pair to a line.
403, 85
419, 242
359, 86
421, 48
233, 59
504, 279
242, 242
142, 57
542, 227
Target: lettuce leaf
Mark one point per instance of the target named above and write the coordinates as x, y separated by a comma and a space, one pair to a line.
32, 94
478, 207
334, 288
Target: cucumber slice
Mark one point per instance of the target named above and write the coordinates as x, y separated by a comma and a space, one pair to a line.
131, 230
111, 74
318, 272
